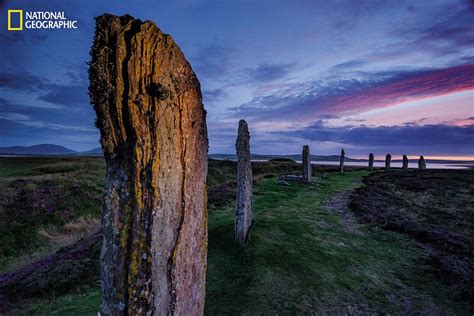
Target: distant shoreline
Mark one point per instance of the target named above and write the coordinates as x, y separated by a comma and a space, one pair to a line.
413, 163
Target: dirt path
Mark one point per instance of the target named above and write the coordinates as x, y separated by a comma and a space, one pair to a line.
339, 204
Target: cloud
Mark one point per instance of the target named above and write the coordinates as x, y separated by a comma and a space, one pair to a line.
19, 48
269, 72
74, 95
20, 81
49, 118
308, 101
214, 60
349, 65
69, 94
215, 95
454, 28
428, 139
448, 35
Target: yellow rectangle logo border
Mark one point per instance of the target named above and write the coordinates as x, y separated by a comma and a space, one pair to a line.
10, 28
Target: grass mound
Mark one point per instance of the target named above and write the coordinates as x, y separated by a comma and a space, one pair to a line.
435, 208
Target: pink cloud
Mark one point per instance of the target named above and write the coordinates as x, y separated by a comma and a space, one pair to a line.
415, 87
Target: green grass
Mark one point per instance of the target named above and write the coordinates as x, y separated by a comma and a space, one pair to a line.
80, 304
301, 258
52, 191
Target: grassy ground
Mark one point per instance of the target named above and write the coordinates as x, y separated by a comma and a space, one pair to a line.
49, 202
46, 203
302, 257
82, 303
433, 207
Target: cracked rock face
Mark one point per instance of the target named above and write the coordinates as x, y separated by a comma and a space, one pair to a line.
243, 214
388, 160
371, 161
153, 132
306, 159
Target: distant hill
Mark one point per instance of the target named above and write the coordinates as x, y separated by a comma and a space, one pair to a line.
316, 158
93, 152
41, 149
296, 157
51, 149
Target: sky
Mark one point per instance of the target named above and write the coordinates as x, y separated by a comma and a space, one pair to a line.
367, 76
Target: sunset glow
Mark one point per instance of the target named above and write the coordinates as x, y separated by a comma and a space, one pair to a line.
395, 78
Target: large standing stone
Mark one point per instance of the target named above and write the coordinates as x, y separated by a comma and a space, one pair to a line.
405, 162
371, 161
341, 162
306, 158
153, 132
421, 163
388, 160
243, 214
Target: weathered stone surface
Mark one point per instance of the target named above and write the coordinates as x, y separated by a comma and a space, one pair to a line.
341, 162
388, 160
153, 133
306, 158
371, 161
421, 163
405, 162
243, 214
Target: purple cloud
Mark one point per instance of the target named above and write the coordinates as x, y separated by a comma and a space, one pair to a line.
311, 100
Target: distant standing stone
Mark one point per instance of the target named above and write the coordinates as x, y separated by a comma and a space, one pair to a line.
388, 160
243, 214
421, 163
306, 164
341, 162
371, 161
405, 162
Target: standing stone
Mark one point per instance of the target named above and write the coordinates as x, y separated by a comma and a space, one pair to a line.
421, 163
341, 162
153, 133
243, 214
306, 164
405, 162
371, 161
388, 160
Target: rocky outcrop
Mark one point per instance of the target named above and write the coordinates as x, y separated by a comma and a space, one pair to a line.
405, 162
371, 161
153, 133
243, 214
306, 159
388, 160
341, 162
421, 163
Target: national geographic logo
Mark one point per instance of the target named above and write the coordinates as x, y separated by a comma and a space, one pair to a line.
11, 17
19, 20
